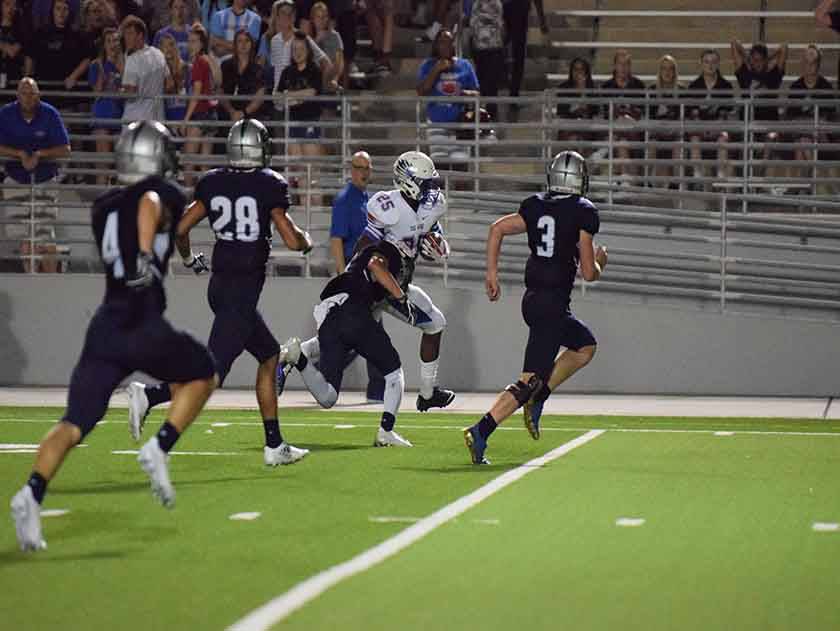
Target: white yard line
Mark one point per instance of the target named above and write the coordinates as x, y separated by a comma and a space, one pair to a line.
302, 593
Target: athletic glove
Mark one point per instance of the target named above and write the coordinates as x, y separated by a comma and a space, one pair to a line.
197, 263
144, 273
406, 308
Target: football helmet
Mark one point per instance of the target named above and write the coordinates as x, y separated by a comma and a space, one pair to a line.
415, 175
145, 148
567, 174
248, 145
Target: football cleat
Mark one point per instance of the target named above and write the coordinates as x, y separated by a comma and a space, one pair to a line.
532, 411
476, 444
154, 462
283, 370
26, 513
284, 454
390, 439
440, 399
290, 351
138, 408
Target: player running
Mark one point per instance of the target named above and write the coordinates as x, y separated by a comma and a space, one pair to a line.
560, 225
241, 201
134, 228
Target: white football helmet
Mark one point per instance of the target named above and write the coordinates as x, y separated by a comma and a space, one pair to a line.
415, 175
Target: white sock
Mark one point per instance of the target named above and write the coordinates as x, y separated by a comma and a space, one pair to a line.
311, 348
394, 388
428, 377
317, 385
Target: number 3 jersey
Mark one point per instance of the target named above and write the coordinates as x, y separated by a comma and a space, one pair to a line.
554, 225
239, 205
114, 223
391, 218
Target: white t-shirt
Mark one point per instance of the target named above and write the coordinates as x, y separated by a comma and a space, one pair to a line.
145, 69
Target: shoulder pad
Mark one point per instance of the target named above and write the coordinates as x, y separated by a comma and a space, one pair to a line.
382, 209
274, 175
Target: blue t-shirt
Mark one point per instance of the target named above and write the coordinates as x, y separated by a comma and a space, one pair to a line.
452, 83
45, 131
349, 217
106, 107
181, 38
226, 24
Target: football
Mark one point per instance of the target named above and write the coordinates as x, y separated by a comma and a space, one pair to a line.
433, 247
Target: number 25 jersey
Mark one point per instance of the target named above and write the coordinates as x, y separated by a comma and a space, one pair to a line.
239, 205
554, 225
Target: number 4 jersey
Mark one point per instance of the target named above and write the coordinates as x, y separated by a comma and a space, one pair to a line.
239, 205
554, 225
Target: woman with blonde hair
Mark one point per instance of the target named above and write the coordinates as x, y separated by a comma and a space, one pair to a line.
666, 87
104, 75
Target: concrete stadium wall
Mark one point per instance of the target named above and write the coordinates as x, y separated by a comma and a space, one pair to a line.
642, 349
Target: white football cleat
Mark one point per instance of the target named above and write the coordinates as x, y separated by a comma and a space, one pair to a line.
290, 351
154, 462
27, 515
284, 454
138, 408
388, 439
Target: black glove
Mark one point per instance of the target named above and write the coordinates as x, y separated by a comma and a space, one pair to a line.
406, 308
144, 273
198, 264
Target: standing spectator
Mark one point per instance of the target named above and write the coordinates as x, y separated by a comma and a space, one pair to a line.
380, 21
242, 76
710, 81
97, 15
41, 12
104, 75
225, 24
13, 36
488, 46
667, 86
161, 15
209, 8
809, 81
349, 220
204, 77
516, 22
580, 80
302, 79
177, 29
623, 85
346, 14
440, 9
329, 41
145, 73
177, 81
33, 135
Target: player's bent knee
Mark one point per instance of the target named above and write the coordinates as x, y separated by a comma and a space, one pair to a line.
522, 391
585, 354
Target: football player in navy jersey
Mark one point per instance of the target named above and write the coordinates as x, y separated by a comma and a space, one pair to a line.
241, 202
134, 228
560, 225
346, 323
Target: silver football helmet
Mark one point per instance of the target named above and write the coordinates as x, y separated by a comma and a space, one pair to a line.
145, 148
248, 145
415, 175
567, 174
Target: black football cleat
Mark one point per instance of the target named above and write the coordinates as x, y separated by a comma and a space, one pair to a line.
440, 399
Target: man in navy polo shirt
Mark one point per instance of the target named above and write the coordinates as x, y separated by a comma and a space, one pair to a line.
33, 135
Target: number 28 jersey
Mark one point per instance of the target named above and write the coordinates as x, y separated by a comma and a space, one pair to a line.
554, 225
239, 205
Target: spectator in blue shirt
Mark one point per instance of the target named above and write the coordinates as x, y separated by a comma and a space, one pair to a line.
178, 28
444, 74
225, 24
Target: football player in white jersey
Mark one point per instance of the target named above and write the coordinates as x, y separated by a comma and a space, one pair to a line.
408, 217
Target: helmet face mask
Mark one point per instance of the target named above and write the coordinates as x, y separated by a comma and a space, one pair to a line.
248, 145
568, 174
145, 148
415, 176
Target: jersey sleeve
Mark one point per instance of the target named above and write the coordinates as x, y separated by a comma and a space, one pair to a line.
381, 213
589, 219
277, 190
173, 198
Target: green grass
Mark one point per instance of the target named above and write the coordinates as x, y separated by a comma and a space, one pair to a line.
727, 541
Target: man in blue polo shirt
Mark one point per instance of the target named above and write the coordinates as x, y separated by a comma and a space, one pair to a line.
32, 135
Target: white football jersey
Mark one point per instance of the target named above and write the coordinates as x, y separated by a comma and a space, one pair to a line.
392, 219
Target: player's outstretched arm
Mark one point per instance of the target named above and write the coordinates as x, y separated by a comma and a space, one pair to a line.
592, 261
294, 238
149, 211
507, 225
195, 212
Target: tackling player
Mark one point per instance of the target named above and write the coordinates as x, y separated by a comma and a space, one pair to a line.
134, 227
560, 225
241, 202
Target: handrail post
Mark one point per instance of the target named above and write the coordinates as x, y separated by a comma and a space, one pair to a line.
477, 143
746, 153
308, 255
723, 251
32, 269
446, 231
610, 151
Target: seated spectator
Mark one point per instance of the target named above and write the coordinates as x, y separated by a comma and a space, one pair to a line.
177, 29
104, 75
33, 136
13, 36
807, 87
624, 85
711, 82
488, 47
763, 72
380, 20
242, 76
177, 82
329, 41
225, 24
161, 14
667, 86
444, 74
301, 79
41, 12
145, 73
204, 77
580, 80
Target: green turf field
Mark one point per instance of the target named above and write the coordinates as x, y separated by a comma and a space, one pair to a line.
727, 540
